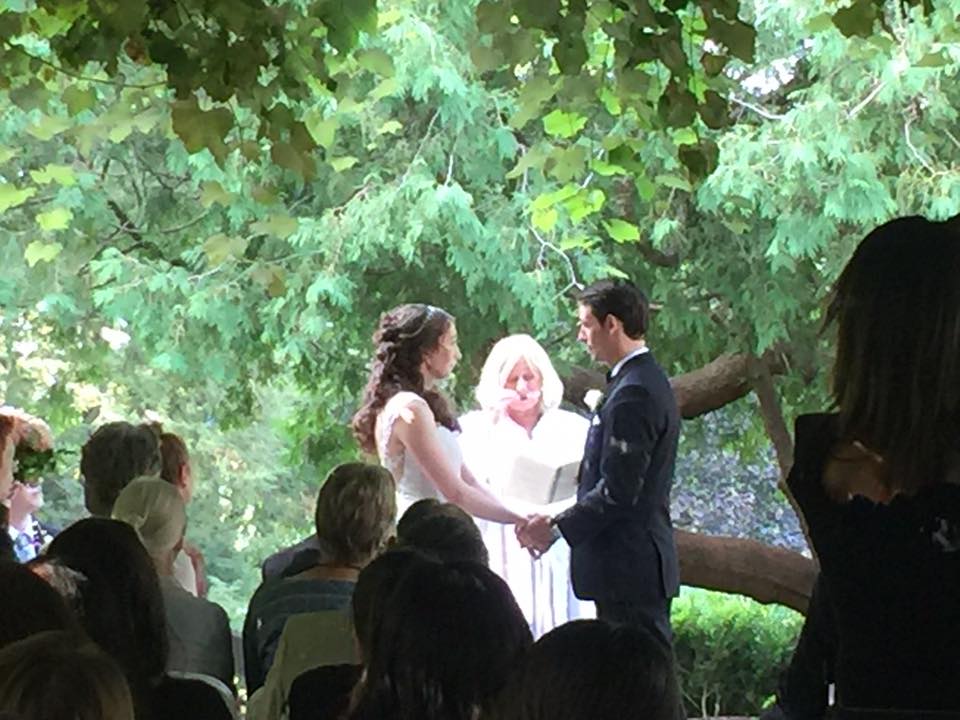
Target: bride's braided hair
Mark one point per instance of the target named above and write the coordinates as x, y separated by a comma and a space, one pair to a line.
405, 334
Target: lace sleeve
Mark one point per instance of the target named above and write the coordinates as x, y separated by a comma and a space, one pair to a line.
388, 417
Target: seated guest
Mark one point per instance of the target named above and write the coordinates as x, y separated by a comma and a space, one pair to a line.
122, 612
28, 605
590, 670
28, 533
114, 455
324, 692
442, 530
878, 482
448, 639
291, 560
175, 468
57, 676
18, 431
198, 630
438, 529
355, 516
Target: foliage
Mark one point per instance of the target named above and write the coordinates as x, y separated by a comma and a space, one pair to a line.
726, 481
730, 651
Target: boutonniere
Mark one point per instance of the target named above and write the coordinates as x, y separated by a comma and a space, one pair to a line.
594, 400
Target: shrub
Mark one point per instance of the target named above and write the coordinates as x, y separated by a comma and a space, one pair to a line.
730, 651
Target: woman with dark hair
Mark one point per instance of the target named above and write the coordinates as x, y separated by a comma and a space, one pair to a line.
58, 676
591, 670
444, 646
878, 482
28, 605
121, 609
407, 422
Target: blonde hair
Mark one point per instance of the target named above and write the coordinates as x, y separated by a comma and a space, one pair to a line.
503, 356
154, 509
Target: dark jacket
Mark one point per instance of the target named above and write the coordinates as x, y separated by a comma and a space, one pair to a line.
620, 534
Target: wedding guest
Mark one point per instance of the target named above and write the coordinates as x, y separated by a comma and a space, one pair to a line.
878, 482
198, 630
189, 567
122, 612
28, 533
442, 531
591, 670
445, 645
28, 605
18, 431
115, 454
407, 422
355, 516
324, 692
59, 676
519, 395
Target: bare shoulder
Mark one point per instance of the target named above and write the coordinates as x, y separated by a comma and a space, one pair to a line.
408, 408
852, 470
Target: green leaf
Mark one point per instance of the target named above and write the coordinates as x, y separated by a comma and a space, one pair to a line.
584, 204
645, 187
271, 277
390, 127
714, 111
6, 154
11, 196
280, 226
38, 251
533, 95
48, 126
605, 169
858, 19
545, 219
386, 88
933, 60
485, 59
737, 36
819, 23
213, 192
56, 219
673, 181
219, 248
565, 164
376, 61
322, 130
677, 106
621, 231
78, 99
60, 174
563, 124
340, 164
199, 129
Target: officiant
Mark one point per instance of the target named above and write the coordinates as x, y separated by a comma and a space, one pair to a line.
527, 450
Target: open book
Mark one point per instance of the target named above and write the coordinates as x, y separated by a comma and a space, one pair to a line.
540, 480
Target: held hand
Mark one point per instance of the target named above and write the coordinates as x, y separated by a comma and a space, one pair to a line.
536, 534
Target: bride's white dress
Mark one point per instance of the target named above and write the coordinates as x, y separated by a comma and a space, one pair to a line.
412, 483
541, 587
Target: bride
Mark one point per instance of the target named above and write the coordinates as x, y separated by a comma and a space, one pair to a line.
409, 424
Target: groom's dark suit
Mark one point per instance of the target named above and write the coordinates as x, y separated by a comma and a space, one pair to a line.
622, 550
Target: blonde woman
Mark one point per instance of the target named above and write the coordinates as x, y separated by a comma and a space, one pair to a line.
519, 395
198, 630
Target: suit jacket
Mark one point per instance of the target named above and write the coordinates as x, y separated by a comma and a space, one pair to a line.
619, 531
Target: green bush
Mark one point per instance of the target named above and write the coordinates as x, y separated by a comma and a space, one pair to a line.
730, 651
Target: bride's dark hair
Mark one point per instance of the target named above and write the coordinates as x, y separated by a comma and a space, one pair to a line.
405, 334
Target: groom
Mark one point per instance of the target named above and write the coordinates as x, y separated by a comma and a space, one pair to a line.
622, 551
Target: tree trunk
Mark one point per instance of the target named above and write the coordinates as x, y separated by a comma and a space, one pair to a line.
765, 573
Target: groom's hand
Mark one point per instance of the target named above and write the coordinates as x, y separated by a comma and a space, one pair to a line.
537, 534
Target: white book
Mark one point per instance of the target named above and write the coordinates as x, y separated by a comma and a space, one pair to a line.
541, 480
